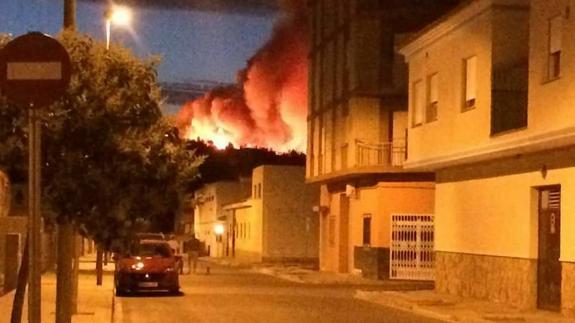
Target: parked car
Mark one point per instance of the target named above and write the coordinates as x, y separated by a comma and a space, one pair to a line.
150, 236
150, 265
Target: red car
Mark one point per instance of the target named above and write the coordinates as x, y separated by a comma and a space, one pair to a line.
149, 266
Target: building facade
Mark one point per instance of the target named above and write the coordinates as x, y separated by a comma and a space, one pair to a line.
502, 144
277, 223
208, 210
357, 120
13, 226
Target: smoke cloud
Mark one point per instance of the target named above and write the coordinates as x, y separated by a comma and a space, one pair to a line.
268, 106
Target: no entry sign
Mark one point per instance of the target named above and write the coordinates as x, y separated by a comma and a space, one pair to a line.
34, 69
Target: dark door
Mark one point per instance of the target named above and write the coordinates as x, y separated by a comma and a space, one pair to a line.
344, 234
549, 267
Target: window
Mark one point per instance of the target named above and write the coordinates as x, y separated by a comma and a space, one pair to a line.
555, 40
433, 98
470, 83
418, 103
367, 229
260, 190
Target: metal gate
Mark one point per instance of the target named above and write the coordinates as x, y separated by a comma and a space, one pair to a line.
411, 251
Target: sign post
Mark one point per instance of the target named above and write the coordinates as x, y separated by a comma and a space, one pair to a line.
34, 72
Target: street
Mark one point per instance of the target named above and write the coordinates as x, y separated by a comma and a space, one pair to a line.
236, 295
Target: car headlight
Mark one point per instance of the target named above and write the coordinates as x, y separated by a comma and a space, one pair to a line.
170, 269
138, 266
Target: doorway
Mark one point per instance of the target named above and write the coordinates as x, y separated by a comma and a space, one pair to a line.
548, 264
343, 266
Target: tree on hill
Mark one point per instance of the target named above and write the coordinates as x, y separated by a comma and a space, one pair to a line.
232, 163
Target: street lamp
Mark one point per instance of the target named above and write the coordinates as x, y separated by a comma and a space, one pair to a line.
117, 15
218, 230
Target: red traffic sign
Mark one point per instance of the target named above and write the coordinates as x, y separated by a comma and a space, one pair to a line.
34, 70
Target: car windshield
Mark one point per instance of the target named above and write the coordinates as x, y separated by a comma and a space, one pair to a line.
152, 250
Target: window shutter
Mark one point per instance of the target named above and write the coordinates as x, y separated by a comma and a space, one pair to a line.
555, 34
418, 102
470, 78
433, 90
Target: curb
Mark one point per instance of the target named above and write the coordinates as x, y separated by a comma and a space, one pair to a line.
271, 272
405, 306
113, 307
117, 313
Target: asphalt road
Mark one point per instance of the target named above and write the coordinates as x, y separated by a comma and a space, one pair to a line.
235, 295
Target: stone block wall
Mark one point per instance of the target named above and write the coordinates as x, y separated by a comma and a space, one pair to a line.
568, 289
500, 279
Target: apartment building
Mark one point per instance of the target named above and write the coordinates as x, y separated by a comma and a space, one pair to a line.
277, 223
208, 204
357, 120
491, 113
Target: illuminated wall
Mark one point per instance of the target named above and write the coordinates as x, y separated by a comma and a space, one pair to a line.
473, 31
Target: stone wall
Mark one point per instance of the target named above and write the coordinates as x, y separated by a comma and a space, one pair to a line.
500, 279
568, 289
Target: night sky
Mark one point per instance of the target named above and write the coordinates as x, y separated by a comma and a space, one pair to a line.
194, 45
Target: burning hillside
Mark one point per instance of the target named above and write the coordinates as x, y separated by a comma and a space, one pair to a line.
268, 106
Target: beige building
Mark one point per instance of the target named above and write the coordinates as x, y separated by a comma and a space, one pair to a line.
208, 210
277, 223
357, 124
503, 152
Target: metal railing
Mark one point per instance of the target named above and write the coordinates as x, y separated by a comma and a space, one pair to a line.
380, 154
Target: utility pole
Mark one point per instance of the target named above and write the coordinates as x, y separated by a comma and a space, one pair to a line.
66, 232
70, 14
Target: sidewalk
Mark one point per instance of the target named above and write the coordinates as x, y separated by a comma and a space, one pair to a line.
451, 308
95, 303
416, 297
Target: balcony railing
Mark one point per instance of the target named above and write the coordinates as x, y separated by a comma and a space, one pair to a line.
380, 154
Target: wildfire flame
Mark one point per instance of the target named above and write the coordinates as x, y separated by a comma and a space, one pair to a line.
268, 107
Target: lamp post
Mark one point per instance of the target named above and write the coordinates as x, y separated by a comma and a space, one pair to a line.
117, 15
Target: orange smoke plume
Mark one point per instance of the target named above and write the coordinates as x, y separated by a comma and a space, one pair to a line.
268, 108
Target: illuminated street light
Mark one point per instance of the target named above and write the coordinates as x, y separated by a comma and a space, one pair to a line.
117, 15
219, 229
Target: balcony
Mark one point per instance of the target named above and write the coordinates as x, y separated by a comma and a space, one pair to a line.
383, 154
362, 158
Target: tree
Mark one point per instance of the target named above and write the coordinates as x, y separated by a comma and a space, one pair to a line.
111, 163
